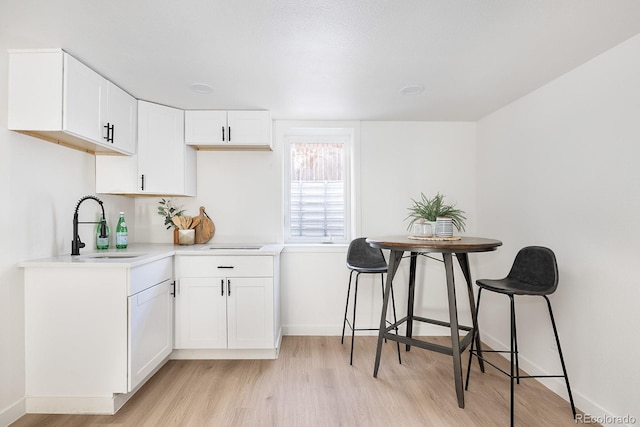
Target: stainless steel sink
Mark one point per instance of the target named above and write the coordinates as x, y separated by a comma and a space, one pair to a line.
113, 256
110, 256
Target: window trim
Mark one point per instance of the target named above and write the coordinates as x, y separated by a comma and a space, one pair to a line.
289, 129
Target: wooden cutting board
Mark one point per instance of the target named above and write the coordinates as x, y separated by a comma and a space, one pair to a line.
206, 229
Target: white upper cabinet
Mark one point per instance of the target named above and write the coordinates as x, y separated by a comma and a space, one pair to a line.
164, 165
55, 97
233, 130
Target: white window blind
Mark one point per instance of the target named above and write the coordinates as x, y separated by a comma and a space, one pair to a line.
317, 187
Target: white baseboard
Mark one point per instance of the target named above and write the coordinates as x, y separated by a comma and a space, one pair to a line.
228, 353
311, 330
11, 413
94, 405
223, 354
98, 405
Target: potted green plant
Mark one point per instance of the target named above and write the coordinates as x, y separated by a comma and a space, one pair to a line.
167, 209
429, 210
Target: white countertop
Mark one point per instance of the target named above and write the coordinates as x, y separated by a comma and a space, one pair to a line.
140, 253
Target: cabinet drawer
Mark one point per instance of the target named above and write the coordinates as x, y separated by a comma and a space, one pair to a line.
226, 266
151, 274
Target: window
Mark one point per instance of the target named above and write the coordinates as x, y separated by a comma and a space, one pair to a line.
317, 185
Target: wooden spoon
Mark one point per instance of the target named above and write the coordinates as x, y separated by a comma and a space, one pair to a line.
176, 221
195, 221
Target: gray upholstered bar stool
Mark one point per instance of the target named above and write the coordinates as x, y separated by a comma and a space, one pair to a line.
534, 273
362, 258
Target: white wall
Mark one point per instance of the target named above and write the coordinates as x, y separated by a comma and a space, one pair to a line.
561, 168
240, 191
40, 184
399, 160
396, 161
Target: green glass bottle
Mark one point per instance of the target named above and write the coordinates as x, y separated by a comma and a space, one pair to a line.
122, 234
102, 242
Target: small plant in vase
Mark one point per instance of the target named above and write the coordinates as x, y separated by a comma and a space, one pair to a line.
428, 210
168, 210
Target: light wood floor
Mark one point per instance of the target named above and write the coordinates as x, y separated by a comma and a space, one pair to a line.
312, 384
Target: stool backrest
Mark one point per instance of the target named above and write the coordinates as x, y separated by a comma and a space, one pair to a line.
537, 266
362, 255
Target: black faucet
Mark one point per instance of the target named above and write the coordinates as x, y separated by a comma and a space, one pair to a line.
76, 243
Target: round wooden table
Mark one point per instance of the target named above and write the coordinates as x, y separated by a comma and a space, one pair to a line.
397, 245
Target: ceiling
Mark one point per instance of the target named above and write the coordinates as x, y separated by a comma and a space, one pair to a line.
328, 60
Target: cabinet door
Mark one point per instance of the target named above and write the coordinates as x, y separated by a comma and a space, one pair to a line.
250, 312
249, 128
35, 93
122, 114
201, 313
161, 150
85, 100
205, 127
117, 174
150, 331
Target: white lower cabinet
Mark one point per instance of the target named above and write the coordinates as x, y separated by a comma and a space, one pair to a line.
226, 302
93, 334
225, 312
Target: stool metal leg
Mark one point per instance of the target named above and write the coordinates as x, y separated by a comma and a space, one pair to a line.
515, 341
353, 324
475, 332
346, 307
564, 369
513, 338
